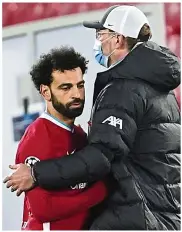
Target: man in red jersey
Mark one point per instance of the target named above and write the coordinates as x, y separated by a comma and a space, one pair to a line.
58, 76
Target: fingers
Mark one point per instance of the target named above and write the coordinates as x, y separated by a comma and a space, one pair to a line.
9, 184
9, 178
19, 192
6, 179
14, 167
14, 188
12, 185
19, 178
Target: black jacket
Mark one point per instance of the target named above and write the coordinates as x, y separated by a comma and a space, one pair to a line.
134, 140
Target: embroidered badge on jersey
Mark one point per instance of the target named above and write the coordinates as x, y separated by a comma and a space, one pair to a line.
31, 160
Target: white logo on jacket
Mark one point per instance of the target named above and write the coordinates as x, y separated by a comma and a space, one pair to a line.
113, 121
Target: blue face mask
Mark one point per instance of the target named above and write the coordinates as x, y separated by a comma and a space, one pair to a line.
99, 56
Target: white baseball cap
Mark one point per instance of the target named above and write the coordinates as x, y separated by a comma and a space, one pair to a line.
125, 20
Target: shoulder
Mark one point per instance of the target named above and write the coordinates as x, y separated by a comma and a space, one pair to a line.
36, 129
34, 142
121, 92
37, 126
124, 86
122, 97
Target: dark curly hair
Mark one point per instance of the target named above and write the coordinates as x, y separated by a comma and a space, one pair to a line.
63, 58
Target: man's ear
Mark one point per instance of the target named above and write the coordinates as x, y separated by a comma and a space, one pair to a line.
120, 41
45, 92
117, 39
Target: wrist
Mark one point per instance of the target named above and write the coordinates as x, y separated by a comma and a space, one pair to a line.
33, 176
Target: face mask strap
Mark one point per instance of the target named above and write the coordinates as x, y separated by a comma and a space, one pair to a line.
113, 50
107, 39
111, 53
100, 57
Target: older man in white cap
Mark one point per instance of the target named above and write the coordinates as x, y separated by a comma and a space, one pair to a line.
134, 138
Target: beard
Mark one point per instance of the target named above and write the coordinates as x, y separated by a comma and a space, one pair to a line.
66, 109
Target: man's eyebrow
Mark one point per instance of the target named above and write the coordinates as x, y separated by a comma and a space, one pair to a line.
81, 82
65, 84
70, 84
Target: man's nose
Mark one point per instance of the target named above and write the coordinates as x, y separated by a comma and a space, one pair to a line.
76, 93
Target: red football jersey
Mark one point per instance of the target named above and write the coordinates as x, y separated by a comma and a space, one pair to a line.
67, 209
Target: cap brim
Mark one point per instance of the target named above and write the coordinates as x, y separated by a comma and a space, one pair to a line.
95, 25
